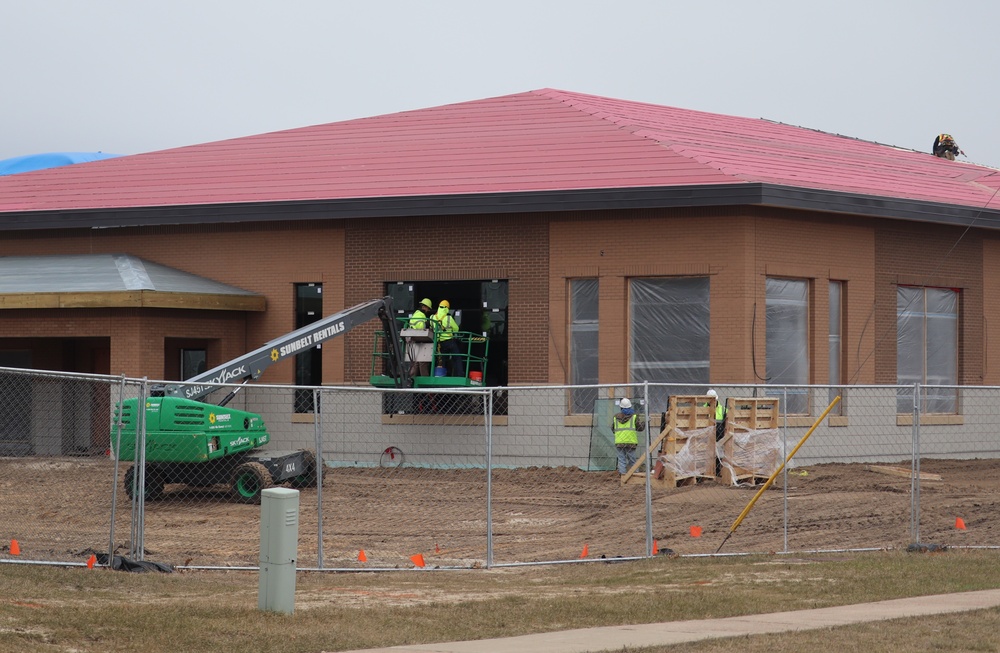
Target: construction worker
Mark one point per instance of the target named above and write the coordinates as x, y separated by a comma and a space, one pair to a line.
720, 415
626, 426
418, 320
946, 147
447, 330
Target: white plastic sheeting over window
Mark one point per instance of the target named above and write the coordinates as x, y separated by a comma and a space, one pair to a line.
583, 343
668, 334
927, 347
787, 339
836, 341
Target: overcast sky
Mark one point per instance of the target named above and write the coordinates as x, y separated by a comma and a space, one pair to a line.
129, 76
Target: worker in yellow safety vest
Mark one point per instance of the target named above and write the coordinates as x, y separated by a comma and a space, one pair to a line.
626, 426
418, 320
447, 330
720, 415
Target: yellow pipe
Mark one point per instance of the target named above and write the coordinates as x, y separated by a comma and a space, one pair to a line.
763, 488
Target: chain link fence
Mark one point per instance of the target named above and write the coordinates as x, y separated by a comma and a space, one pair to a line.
478, 477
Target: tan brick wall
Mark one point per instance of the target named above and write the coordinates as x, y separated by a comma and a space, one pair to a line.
737, 249
136, 336
991, 310
939, 256
267, 259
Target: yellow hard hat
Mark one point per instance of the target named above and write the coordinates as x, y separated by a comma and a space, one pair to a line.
426, 302
445, 303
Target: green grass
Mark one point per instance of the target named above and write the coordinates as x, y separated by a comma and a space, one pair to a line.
76, 609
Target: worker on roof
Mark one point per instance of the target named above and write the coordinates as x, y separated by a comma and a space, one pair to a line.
946, 147
447, 328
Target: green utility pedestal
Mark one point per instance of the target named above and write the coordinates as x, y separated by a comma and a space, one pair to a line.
279, 540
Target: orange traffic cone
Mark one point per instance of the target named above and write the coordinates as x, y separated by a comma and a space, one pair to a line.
361, 556
656, 548
696, 531
418, 559
959, 524
15, 548
91, 561
586, 551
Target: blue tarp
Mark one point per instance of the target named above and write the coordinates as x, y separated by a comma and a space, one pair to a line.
31, 162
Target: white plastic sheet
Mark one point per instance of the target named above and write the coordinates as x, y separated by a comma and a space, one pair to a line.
669, 334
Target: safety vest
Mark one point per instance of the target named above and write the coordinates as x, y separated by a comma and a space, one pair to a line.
447, 327
625, 432
418, 320
720, 411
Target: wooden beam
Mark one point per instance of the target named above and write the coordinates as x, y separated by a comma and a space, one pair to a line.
904, 472
134, 299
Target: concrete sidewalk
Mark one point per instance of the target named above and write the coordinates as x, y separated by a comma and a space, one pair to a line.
614, 638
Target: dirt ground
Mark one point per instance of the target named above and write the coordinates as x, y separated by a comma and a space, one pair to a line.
60, 509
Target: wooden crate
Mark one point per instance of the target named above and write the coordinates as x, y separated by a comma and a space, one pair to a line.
748, 415
688, 414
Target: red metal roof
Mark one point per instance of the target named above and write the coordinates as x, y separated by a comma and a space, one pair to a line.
545, 140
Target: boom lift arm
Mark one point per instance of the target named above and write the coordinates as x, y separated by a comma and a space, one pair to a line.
250, 366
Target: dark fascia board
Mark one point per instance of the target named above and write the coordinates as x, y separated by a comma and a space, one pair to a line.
743, 194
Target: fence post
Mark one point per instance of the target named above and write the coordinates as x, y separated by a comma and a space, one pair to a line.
488, 418
114, 480
138, 544
649, 469
318, 428
915, 469
784, 473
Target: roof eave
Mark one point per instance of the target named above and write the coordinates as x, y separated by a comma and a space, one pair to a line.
735, 194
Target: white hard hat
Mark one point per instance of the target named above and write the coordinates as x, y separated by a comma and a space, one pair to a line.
625, 403
713, 393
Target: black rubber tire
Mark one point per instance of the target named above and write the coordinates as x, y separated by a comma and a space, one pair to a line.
308, 476
154, 483
249, 480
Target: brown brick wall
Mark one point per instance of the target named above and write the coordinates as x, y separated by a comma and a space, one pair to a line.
738, 248
462, 248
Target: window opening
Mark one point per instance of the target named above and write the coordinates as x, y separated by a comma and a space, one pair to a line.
308, 364
669, 334
193, 362
927, 348
583, 343
787, 341
479, 307
836, 344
